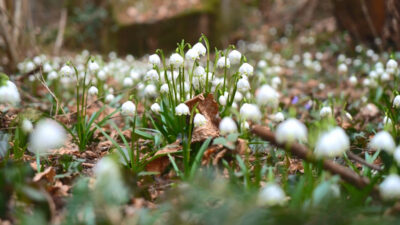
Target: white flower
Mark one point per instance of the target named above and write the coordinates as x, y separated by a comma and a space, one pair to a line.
243, 85
128, 108
47, 135
250, 112
396, 155
387, 121
127, 82
151, 75
383, 141
47, 68
93, 66
199, 47
102, 75
392, 64
275, 82
93, 90
396, 101
150, 90
325, 111
222, 100
235, 56
342, 68
291, 130
199, 120
390, 187
154, 59
199, 72
164, 88
155, 108
9, 93
278, 117
353, 80
66, 71
227, 126
192, 54
271, 195
52, 75
244, 125
182, 109
221, 62
134, 75
37, 60
29, 66
332, 143
26, 126
176, 60
385, 76
262, 64
246, 69
268, 96
109, 98
238, 96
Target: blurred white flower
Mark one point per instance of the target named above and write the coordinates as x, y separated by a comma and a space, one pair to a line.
227, 126
182, 109
383, 141
164, 88
243, 84
150, 90
342, 69
390, 187
52, 75
199, 71
325, 111
271, 195
67, 71
353, 80
47, 135
396, 155
155, 108
250, 112
246, 69
291, 130
192, 54
155, 59
93, 90
396, 102
275, 82
267, 96
223, 62
332, 143
176, 60
102, 75
222, 100
278, 117
27, 126
93, 66
235, 56
391, 64
109, 98
128, 108
151, 75
47, 68
128, 82
8, 92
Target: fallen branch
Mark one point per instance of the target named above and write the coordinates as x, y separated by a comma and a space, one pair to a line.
302, 152
362, 161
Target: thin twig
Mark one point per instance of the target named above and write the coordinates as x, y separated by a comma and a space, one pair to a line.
362, 161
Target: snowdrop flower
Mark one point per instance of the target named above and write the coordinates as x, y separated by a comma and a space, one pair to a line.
221, 62
199, 47
243, 85
275, 82
392, 64
155, 108
8, 91
182, 109
262, 64
250, 112
176, 60
396, 102
52, 75
267, 96
396, 155
199, 72
102, 75
332, 143
93, 90
128, 82
37, 60
325, 111
238, 97
235, 56
278, 117
244, 125
271, 195
222, 100
353, 80
246, 69
342, 68
291, 130
29, 66
192, 55
387, 121
150, 90
390, 187
128, 108
385, 76
93, 66
66, 71
154, 59
199, 120
164, 88
227, 126
383, 141
27, 126
47, 68
109, 98
47, 135
151, 75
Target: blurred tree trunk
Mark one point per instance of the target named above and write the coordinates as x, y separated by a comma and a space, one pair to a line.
370, 20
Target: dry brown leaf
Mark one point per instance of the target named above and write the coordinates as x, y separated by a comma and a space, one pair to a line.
161, 163
209, 152
208, 107
47, 174
241, 146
